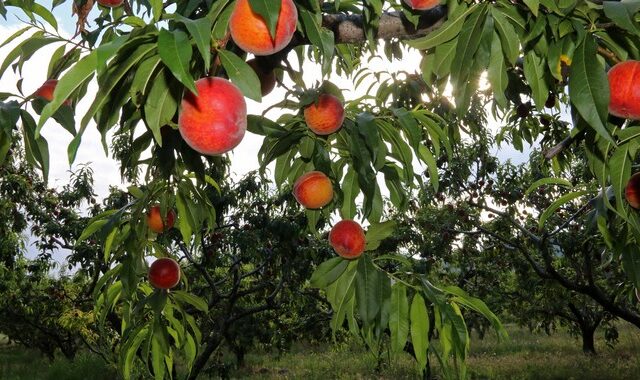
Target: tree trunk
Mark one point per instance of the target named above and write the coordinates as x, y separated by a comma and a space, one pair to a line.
588, 341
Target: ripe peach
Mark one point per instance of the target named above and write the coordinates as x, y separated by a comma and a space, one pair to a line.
624, 88
164, 273
313, 190
110, 3
325, 116
347, 239
46, 91
214, 121
422, 5
267, 77
250, 32
632, 191
155, 221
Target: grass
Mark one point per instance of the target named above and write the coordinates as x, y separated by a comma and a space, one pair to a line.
18, 363
525, 356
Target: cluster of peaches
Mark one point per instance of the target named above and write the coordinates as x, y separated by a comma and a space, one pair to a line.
215, 120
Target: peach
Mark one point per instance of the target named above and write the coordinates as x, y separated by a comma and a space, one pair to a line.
110, 3
164, 273
155, 221
313, 190
214, 121
422, 5
624, 88
325, 116
250, 32
46, 91
267, 77
347, 239
632, 191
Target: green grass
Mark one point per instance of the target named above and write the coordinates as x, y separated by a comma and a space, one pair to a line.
18, 363
525, 356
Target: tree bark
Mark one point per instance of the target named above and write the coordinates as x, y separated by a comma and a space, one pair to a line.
588, 339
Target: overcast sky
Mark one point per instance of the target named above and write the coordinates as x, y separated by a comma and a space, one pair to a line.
106, 173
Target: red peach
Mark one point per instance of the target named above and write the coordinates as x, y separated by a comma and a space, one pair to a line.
624, 89
251, 33
632, 191
46, 91
347, 239
110, 3
155, 221
313, 190
422, 5
164, 273
214, 121
267, 77
325, 116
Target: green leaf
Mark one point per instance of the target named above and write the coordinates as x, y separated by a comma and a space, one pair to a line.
342, 299
419, 329
534, 5
620, 171
446, 32
15, 35
350, 190
559, 202
36, 148
241, 74
200, 30
369, 290
623, 14
478, 305
192, 299
328, 272
269, 10
175, 51
399, 317
130, 348
589, 87
508, 36
377, 232
497, 72
548, 181
534, 71
631, 264
161, 104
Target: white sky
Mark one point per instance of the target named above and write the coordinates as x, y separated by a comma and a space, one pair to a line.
106, 172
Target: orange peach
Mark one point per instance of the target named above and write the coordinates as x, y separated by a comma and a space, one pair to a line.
347, 239
325, 116
422, 5
624, 89
155, 221
214, 121
251, 33
632, 191
313, 190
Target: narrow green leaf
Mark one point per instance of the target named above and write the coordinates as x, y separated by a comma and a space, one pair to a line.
241, 74
556, 205
200, 30
444, 33
269, 10
161, 105
377, 232
399, 317
328, 272
419, 329
175, 51
589, 87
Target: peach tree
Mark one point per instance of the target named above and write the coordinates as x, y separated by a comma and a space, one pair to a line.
166, 66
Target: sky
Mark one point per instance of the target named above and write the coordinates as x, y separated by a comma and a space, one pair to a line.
106, 172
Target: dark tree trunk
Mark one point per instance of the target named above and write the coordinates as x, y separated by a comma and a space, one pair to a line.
588, 339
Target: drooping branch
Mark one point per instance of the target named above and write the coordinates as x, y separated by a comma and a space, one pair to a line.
349, 28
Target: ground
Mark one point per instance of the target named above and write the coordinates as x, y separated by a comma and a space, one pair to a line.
525, 356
